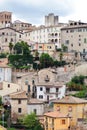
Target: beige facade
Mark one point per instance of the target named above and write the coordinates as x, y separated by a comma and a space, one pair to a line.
20, 26
5, 19
74, 36
8, 35
7, 88
43, 48
18, 103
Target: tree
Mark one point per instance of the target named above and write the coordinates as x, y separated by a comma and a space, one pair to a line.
22, 57
31, 122
61, 56
11, 47
45, 60
64, 48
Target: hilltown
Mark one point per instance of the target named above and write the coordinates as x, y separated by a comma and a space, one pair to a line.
45, 91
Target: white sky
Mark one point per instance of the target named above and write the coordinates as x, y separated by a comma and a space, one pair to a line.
33, 11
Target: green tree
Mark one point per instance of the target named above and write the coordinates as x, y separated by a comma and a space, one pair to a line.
61, 56
64, 48
45, 60
11, 47
31, 122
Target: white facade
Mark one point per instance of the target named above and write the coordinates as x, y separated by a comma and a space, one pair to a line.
49, 92
36, 106
45, 35
5, 73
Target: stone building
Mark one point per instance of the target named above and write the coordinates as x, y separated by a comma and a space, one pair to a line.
74, 36
18, 102
51, 20
8, 35
5, 19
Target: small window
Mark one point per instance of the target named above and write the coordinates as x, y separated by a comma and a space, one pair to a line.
19, 101
41, 88
35, 111
19, 110
6, 40
70, 109
8, 85
63, 122
57, 89
40, 96
58, 108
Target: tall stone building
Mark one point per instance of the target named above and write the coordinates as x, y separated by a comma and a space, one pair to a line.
51, 20
5, 19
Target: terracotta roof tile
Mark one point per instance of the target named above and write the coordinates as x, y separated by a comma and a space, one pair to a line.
19, 95
70, 100
55, 114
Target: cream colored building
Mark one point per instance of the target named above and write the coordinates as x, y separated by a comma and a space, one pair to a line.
43, 48
8, 35
42, 34
74, 36
6, 88
18, 102
20, 26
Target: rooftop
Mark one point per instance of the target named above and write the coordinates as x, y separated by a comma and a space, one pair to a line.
70, 100
56, 114
19, 95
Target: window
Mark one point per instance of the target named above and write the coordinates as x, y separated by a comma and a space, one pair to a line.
40, 96
47, 90
11, 39
41, 88
58, 108
57, 89
72, 45
40, 46
66, 31
63, 122
3, 33
85, 40
35, 111
19, 110
6, 40
19, 36
67, 42
19, 101
70, 109
8, 85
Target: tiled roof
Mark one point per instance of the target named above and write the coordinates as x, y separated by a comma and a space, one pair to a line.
35, 101
70, 100
19, 95
56, 114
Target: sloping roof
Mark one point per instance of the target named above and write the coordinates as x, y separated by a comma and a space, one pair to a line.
56, 114
70, 100
19, 95
35, 101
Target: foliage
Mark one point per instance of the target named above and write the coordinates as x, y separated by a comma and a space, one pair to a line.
23, 57
77, 83
78, 79
45, 60
64, 48
31, 122
81, 94
3, 55
61, 56
21, 48
11, 46
0, 101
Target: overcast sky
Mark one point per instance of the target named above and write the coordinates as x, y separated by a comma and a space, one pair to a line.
33, 11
